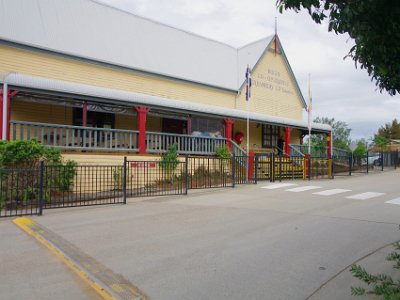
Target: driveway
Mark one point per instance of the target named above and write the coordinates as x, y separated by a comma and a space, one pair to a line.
264, 241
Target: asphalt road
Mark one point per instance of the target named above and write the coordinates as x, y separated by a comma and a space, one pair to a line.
250, 242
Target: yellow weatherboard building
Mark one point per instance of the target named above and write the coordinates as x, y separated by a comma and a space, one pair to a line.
85, 77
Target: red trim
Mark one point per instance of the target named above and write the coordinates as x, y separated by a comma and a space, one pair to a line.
250, 171
228, 132
141, 118
306, 159
1, 114
288, 132
84, 114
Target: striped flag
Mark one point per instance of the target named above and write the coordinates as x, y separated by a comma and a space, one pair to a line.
248, 84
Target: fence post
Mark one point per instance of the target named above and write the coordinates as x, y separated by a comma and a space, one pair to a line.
382, 161
186, 173
309, 167
256, 169
367, 162
41, 188
271, 167
125, 174
332, 168
250, 165
350, 163
280, 168
233, 170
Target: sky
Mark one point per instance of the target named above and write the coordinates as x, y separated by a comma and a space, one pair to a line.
339, 90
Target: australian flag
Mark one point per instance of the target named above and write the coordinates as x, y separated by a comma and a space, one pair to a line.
248, 83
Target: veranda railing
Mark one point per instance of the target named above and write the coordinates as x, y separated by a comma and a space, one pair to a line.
76, 137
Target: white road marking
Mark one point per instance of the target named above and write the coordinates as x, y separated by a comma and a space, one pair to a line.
394, 201
277, 186
365, 196
332, 192
303, 188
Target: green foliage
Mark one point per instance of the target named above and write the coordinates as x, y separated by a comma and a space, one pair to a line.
222, 152
390, 131
381, 284
26, 154
361, 149
169, 162
380, 141
118, 178
18, 186
377, 42
341, 135
66, 176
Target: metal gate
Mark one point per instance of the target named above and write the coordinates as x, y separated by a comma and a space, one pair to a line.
278, 167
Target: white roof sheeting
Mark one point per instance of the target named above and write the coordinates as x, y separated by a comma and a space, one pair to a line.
92, 30
20, 80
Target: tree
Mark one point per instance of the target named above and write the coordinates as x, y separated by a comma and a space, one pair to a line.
340, 132
373, 24
390, 131
361, 149
380, 141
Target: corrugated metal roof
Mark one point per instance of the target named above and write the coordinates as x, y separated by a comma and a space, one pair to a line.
38, 83
95, 31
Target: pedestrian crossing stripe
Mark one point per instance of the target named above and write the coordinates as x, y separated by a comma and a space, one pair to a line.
277, 186
303, 188
331, 192
394, 201
365, 196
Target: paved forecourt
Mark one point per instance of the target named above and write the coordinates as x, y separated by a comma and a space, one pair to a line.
249, 242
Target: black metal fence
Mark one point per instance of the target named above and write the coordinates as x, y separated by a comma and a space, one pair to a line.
347, 165
155, 178
20, 192
210, 172
29, 191
71, 186
341, 165
319, 167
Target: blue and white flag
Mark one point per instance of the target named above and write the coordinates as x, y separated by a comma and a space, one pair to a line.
248, 84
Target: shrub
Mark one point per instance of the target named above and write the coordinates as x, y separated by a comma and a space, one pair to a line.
26, 154
21, 184
222, 152
169, 161
382, 284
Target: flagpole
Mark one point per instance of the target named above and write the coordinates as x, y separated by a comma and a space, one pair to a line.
248, 139
248, 95
309, 108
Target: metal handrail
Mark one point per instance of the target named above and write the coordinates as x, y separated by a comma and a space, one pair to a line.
295, 150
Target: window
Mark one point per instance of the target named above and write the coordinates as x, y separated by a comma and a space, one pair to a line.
207, 125
94, 119
269, 136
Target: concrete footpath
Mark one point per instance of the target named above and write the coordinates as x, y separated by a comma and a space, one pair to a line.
30, 271
337, 287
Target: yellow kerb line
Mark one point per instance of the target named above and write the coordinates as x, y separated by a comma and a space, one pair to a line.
25, 224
